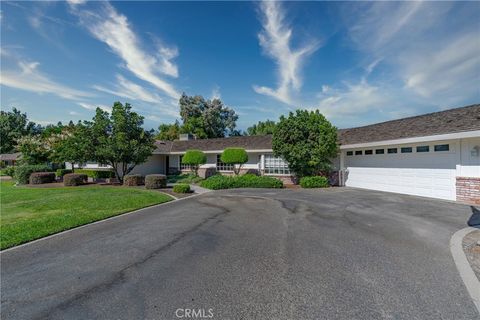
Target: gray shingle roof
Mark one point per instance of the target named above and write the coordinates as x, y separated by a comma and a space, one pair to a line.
10, 156
442, 122
448, 121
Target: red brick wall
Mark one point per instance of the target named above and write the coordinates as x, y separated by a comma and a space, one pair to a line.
468, 190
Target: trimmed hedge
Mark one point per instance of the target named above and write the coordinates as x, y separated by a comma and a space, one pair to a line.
155, 181
42, 177
74, 179
181, 188
314, 182
133, 180
194, 158
61, 172
246, 181
97, 174
234, 156
23, 172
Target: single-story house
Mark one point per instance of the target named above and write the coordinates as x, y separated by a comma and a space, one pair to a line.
433, 155
10, 159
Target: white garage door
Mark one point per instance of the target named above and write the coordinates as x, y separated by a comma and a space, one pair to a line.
428, 174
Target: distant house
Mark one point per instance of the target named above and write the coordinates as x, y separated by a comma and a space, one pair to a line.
434, 155
10, 159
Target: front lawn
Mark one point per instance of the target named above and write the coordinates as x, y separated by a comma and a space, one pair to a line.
32, 213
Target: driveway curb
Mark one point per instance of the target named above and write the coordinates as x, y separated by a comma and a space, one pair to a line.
468, 276
175, 199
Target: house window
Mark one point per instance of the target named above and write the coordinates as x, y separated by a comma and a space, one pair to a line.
368, 151
406, 150
184, 166
223, 166
442, 147
380, 151
392, 150
275, 165
358, 152
423, 149
349, 153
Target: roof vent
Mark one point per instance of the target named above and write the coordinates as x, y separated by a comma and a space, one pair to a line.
187, 136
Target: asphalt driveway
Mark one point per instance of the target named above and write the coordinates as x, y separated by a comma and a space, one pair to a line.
249, 254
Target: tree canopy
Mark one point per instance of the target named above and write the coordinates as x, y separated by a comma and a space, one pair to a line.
194, 158
169, 132
120, 139
307, 141
235, 156
261, 128
13, 126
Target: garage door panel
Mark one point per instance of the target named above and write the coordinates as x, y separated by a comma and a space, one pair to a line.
436, 183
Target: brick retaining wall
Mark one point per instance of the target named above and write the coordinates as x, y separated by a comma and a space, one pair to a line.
468, 190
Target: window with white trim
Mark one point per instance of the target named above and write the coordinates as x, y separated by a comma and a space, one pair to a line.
275, 165
223, 166
184, 166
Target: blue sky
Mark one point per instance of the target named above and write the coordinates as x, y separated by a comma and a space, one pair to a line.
358, 63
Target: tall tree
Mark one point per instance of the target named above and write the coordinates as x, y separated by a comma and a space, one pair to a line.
261, 128
168, 131
13, 126
120, 139
206, 118
73, 144
35, 149
307, 141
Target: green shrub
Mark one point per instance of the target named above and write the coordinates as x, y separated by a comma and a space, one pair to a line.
246, 181
61, 172
133, 180
97, 174
184, 178
9, 171
194, 158
155, 181
181, 188
23, 172
235, 156
74, 179
42, 177
314, 182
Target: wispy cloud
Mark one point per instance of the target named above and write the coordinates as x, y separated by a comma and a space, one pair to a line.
90, 106
216, 93
28, 77
275, 40
114, 29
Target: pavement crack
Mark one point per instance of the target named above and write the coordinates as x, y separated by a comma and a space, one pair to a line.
120, 276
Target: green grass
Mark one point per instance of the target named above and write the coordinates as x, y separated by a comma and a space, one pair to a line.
31, 213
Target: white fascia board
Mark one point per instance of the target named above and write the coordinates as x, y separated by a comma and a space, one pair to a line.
440, 137
218, 151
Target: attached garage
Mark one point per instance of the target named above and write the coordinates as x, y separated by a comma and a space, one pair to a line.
425, 155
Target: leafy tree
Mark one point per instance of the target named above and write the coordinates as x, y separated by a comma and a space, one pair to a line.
194, 158
168, 131
13, 126
120, 140
307, 141
73, 144
261, 128
235, 156
34, 149
206, 118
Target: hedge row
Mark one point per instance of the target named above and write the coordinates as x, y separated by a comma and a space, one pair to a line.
23, 172
61, 172
314, 182
96, 174
246, 181
42, 177
74, 179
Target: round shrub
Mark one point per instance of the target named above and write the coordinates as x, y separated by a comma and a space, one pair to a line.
314, 182
235, 156
23, 172
42, 177
194, 158
181, 188
155, 181
133, 180
74, 179
9, 171
61, 172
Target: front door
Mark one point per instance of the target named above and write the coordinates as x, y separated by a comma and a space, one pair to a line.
167, 164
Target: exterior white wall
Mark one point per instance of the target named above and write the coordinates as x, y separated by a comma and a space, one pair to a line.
469, 165
154, 165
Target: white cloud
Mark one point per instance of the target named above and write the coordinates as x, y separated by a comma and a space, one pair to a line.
89, 106
28, 77
73, 113
216, 93
275, 40
76, 2
113, 28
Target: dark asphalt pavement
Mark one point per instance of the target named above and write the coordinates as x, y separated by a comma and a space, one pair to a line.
249, 254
